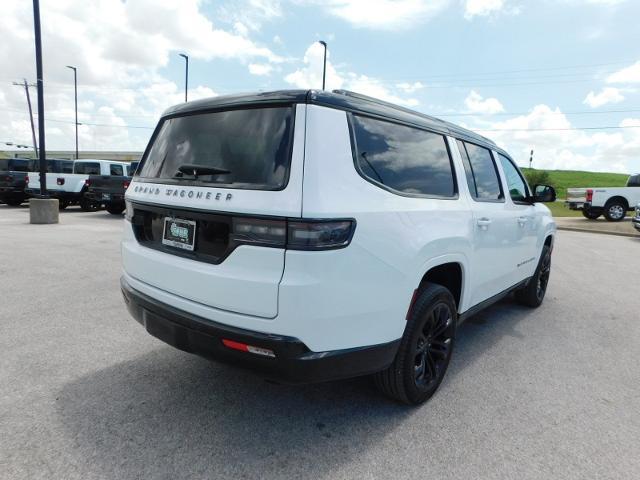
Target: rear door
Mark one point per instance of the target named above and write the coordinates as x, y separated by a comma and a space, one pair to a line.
227, 180
493, 237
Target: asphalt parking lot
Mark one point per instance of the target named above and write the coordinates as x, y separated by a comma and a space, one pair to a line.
86, 393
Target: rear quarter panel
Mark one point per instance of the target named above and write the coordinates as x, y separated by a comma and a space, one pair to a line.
397, 239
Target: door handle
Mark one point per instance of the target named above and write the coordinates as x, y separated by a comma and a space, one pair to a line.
483, 223
523, 220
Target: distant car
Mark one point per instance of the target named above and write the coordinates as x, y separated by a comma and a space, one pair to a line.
70, 187
636, 219
14, 174
612, 202
109, 190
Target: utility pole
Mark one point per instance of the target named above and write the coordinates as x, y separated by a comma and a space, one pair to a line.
33, 128
39, 75
531, 159
75, 91
324, 66
186, 74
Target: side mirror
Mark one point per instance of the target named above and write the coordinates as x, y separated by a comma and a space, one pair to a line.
544, 194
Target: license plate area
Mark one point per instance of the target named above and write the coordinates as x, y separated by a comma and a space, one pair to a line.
179, 233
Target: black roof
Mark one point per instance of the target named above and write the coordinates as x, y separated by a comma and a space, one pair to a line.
340, 99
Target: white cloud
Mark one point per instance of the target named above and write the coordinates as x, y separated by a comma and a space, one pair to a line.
260, 68
410, 87
607, 95
310, 76
119, 49
382, 14
548, 132
476, 103
482, 8
629, 74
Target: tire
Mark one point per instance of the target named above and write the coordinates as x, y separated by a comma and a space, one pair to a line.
615, 210
115, 208
14, 202
425, 349
533, 294
89, 206
591, 213
62, 204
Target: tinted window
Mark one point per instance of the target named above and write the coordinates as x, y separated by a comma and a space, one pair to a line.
253, 145
14, 165
133, 167
517, 186
634, 181
115, 169
481, 172
402, 158
87, 168
59, 166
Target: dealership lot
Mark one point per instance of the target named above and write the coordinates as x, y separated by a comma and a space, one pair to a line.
86, 393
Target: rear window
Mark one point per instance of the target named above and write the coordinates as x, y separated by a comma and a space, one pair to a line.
14, 165
253, 145
115, 169
58, 166
402, 159
87, 168
634, 181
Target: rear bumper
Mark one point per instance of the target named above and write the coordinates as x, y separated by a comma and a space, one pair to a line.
293, 362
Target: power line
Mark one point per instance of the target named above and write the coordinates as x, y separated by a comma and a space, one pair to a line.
552, 129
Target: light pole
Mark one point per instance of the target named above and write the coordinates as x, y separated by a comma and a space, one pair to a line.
186, 74
75, 91
39, 75
324, 66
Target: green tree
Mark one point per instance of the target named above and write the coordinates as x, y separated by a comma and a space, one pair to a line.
538, 177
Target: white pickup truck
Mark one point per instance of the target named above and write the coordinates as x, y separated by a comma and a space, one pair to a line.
70, 188
612, 202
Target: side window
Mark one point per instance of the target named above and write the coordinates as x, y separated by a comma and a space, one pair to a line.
482, 175
634, 181
404, 159
116, 169
517, 186
87, 168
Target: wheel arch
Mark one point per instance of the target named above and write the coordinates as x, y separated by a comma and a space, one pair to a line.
449, 271
618, 198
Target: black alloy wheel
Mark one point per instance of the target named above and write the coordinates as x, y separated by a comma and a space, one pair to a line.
425, 348
433, 346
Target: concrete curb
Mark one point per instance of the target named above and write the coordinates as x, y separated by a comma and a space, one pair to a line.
604, 232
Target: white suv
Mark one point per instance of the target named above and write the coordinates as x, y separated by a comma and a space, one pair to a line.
314, 236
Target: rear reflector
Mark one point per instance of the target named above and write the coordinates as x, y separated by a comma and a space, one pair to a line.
243, 347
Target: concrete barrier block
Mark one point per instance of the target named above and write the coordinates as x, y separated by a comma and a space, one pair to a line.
43, 210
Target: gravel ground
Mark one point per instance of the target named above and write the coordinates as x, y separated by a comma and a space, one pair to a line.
86, 393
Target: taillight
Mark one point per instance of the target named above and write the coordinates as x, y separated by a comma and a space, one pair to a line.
26, 180
293, 234
125, 184
319, 234
60, 181
589, 194
9, 178
87, 183
128, 210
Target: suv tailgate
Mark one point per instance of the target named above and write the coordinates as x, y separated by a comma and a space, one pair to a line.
218, 272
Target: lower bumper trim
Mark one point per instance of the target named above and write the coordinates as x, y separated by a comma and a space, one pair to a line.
293, 362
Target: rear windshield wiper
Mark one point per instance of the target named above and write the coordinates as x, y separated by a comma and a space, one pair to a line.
197, 170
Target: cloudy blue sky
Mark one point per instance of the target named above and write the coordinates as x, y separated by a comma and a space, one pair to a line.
543, 75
